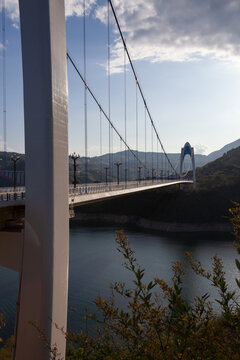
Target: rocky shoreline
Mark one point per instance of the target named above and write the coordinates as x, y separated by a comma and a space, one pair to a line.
146, 224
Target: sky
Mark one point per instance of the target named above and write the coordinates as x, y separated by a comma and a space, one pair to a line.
187, 57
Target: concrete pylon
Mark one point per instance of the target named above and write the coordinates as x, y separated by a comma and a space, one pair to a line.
188, 150
44, 278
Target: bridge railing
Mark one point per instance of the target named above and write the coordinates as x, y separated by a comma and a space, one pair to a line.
85, 189
11, 189
11, 194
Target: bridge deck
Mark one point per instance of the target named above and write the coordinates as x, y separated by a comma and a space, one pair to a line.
116, 190
87, 193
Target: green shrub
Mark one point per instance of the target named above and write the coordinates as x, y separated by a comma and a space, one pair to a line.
2, 324
6, 349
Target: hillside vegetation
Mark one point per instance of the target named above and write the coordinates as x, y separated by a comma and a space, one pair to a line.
222, 172
96, 164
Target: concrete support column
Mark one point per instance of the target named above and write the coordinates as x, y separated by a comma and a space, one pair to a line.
44, 285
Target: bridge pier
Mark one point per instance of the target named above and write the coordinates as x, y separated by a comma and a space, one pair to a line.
44, 280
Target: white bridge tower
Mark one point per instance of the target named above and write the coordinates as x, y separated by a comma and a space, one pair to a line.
44, 275
188, 150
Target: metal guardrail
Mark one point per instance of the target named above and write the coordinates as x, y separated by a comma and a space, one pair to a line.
86, 189
12, 196
11, 189
9, 194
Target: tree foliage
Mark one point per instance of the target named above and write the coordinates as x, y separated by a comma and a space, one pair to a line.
6, 349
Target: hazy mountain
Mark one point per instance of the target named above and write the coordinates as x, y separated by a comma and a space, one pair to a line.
217, 154
96, 165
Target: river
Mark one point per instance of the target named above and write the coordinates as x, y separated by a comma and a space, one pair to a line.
95, 263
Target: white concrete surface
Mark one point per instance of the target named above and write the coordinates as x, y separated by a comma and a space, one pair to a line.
44, 285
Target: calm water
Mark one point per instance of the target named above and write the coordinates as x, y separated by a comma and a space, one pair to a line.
95, 263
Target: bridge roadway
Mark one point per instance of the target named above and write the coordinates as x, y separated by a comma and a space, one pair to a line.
87, 193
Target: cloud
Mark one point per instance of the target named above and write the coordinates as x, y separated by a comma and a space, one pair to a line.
167, 30
178, 30
200, 149
8, 148
72, 8
75, 7
12, 9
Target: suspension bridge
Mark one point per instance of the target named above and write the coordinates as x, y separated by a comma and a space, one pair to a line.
40, 251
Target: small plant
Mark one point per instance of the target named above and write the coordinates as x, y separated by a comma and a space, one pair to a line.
2, 324
6, 349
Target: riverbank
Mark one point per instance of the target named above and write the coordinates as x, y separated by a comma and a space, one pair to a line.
146, 224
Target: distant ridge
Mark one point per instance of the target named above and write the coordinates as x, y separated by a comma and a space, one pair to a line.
218, 153
95, 161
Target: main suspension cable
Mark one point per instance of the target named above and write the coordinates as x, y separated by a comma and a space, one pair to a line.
100, 107
85, 92
101, 161
145, 123
109, 93
125, 111
139, 87
4, 86
136, 125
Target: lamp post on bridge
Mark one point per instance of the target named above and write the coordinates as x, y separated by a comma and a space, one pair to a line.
15, 159
161, 174
106, 173
74, 157
139, 173
118, 164
3, 170
148, 176
153, 174
125, 170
